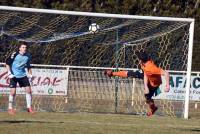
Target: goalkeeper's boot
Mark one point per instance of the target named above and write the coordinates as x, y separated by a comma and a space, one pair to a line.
11, 111
108, 73
152, 111
30, 110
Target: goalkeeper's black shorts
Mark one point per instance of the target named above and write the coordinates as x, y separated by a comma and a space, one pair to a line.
23, 82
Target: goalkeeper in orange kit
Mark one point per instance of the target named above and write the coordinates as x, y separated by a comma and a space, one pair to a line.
152, 79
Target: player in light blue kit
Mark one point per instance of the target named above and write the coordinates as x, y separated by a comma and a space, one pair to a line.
16, 66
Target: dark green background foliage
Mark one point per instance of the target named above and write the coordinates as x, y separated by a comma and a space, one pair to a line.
174, 8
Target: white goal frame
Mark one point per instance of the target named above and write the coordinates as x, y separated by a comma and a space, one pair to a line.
189, 20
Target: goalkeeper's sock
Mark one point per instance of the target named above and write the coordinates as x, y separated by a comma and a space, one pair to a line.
11, 98
28, 100
120, 74
151, 104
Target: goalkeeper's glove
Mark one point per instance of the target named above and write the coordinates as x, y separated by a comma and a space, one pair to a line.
10, 75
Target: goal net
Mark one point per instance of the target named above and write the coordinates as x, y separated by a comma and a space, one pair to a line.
63, 39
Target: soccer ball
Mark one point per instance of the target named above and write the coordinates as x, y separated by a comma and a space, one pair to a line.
93, 28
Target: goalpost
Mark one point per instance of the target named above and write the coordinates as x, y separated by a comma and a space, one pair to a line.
168, 40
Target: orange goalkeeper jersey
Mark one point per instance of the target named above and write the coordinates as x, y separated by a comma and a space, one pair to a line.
153, 73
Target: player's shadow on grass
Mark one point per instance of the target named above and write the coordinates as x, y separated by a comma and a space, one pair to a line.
192, 130
24, 121
195, 130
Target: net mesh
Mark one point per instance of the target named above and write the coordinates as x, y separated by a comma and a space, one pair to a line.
65, 40
66, 37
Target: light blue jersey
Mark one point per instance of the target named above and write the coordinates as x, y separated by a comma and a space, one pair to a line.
19, 64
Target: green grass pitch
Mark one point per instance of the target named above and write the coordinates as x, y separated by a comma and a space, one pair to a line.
89, 123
